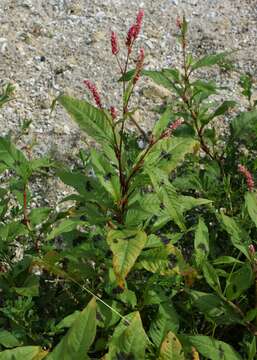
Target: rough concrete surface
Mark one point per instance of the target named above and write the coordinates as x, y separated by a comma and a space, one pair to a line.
50, 46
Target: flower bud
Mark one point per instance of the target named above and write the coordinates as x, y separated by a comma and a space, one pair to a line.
114, 43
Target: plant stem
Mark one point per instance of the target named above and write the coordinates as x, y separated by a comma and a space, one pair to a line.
25, 209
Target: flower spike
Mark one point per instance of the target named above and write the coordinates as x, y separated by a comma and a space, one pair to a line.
92, 88
114, 43
248, 177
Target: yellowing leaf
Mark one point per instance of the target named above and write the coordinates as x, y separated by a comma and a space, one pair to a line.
24, 353
171, 348
126, 246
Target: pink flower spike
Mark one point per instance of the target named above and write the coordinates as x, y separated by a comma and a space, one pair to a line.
114, 43
248, 177
130, 36
113, 112
92, 88
134, 30
139, 21
175, 125
168, 132
139, 66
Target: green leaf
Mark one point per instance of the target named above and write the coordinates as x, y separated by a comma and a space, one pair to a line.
251, 205
89, 118
106, 317
12, 230
239, 238
39, 215
77, 341
36, 164
24, 353
201, 243
213, 349
157, 76
14, 158
30, 287
68, 320
246, 83
211, 276
127, 297
162, 123
209, 60
6, 94
244, 126
189, 202
168, 153
252, 351
65, 226
8, 340
226, 260
129, 339
171, 348
214, 308
106, 174
126, 246
239, 281
251, 315
165, 320
223, 108
160, 260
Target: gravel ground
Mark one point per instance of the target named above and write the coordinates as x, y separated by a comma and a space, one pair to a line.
49, 46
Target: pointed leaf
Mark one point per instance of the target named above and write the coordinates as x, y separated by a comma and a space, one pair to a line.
223, 108
24, 353
77, 341
65, 226
129, 339
239, 238
89, 118
213, 349
244, 126
171, 348
162, 123
8, 340
165, 320
211, 276
169, 153
209, 60
126, 246
201, 243
239, 281
251, 205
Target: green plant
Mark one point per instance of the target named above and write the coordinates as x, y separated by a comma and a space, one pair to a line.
155, 258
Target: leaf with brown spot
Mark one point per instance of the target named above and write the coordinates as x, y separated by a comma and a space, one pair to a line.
126, 246
171, 348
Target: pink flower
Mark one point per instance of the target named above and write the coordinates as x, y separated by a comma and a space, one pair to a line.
134, 30
113, 112
114, 43
168, 132
248, 177
130, 37
178, 22
139, 66
92, 88
139, 22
